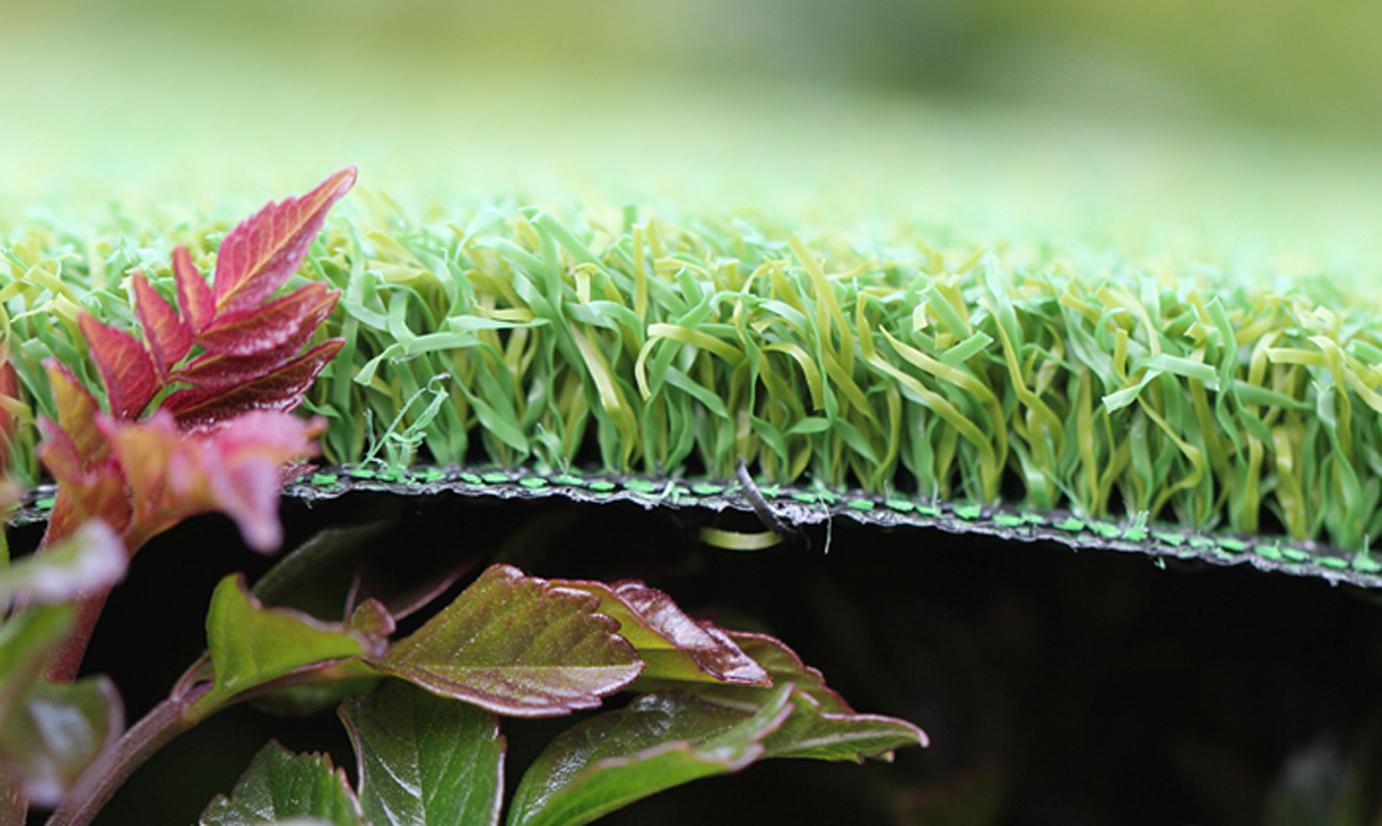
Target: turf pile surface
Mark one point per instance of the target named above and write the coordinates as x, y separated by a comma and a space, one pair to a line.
1039, 391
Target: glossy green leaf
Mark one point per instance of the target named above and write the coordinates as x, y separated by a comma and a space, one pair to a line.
813, 734
55, 731
658, 741
517, 645
90, 560
425, 760
339, 680
280, 786
251, 645
822, 725
672, 645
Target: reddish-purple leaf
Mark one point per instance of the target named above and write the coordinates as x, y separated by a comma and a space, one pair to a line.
822, 725
519, 646
673, 646
281, 325
782, 663
210, 371
77, 411
259, 254
87, 488
125, 367
236, 470
208, 407
9, 398
165, 333
195, 298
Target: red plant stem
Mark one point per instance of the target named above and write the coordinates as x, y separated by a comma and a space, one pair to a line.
66, 659
14, 803
100, 782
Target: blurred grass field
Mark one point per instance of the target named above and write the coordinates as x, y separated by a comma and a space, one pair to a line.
1239, 135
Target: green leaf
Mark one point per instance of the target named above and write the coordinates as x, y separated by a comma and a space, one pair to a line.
425, 760
335, 682
822, 725
658, 741
55, 731
90, 560
519, 646
315, 576
280, 785
672, 645
251, 645
25, 640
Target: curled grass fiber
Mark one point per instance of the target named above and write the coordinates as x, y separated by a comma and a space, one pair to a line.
676, 347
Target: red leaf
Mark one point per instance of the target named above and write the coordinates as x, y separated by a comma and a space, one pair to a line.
283, 324
674, 646
173, 475
261, 253
207, 407
165, 333
77, 412
211, 371
193, 295
519, 646
86, 489
125, 367
9, 397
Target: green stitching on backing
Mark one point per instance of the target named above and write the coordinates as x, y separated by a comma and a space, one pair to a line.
1363, 561
1107, 530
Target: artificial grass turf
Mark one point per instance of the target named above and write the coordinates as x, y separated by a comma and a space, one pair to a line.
892, 365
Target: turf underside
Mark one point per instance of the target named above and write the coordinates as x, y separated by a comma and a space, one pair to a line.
903, 367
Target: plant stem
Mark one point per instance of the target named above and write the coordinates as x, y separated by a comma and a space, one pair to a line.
100, 782
14, 803
66, 659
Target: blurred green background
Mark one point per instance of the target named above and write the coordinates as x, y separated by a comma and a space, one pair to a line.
1234, 129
